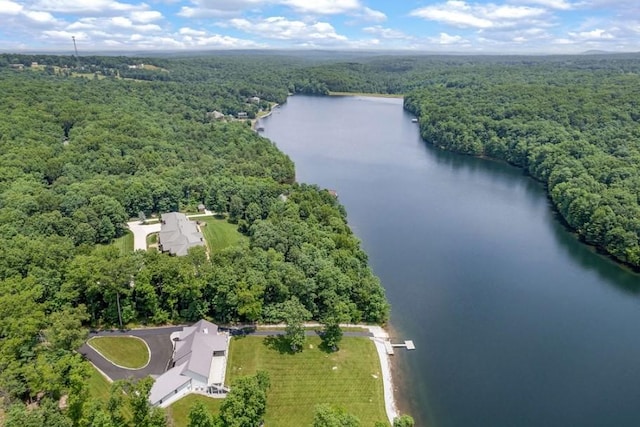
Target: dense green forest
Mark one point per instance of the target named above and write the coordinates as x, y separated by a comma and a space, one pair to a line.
81, 155
576, 130
89, 143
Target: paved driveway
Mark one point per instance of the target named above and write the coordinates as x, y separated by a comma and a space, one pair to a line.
140, 233
159, 342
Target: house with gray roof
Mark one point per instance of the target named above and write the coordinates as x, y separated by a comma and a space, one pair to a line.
198, 365
178, 234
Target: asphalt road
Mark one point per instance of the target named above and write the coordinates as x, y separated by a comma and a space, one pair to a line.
158, 340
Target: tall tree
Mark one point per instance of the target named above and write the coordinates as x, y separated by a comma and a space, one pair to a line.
295, 314
199, 416
246, 403
327, 416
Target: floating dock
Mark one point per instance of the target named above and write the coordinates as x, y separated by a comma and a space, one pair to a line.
408, 344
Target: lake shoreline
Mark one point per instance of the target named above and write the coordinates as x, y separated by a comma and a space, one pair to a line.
369, 95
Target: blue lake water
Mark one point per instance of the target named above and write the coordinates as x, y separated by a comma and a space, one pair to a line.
516, 323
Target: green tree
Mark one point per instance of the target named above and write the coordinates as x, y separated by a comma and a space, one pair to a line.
46, 414
403, 421
331, 334
143, 414
246, 403
327, 416
199, 416
294, 315
65, 329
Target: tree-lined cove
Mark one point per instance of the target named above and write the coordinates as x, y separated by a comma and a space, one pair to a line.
516, 322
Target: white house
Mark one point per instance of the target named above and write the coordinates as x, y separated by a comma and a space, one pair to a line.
198, 365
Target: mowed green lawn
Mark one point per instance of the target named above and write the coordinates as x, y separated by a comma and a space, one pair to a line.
124, 243
98, 386
128, 352
178, 412
350, 379
220, 234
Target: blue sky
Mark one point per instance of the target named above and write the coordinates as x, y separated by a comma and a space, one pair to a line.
498, 26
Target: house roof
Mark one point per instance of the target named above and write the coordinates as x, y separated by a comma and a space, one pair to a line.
178, 234
193, 354
196, 346
168, 382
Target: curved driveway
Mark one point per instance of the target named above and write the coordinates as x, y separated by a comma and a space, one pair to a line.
158, 340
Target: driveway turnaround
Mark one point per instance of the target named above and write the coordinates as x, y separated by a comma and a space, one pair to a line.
160, 347
140, 233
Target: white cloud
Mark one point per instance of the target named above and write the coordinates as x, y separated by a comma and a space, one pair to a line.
145, 16
385, 33
64, 36
40, 17
116, 23
597, 34
227, 8
9, 7
86, 7
373, 15
480, 16
551, 4
281, 28
446, 39
191, 32
323, 7
186, 38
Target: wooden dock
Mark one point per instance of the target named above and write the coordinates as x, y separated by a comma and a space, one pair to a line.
408, 344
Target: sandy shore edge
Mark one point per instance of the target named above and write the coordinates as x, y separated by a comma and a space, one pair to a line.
379, 338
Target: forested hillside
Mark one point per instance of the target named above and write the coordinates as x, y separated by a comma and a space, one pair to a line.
89, 143
575, 129
81, 155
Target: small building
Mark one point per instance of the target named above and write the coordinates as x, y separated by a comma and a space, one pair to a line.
178, 234
254, 99
202, 208
242, 115
16, 66
198, 365
215, 115
34, 64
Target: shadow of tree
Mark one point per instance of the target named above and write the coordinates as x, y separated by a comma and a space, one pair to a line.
279, 343
326, 349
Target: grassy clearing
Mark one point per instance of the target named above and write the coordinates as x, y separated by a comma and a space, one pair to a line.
124, 243
98, 386
178, 412
219, 234
350, 378
99, 389
128, 352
